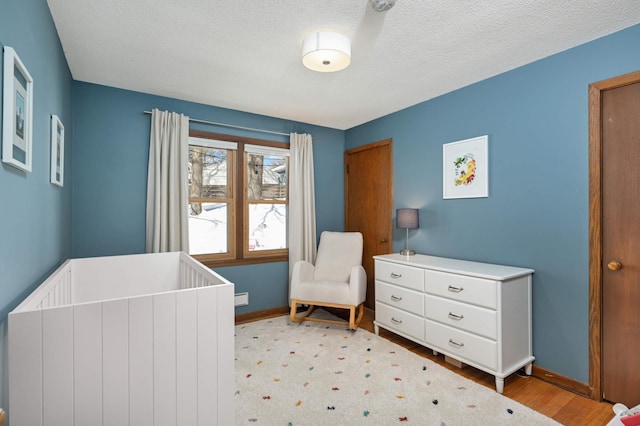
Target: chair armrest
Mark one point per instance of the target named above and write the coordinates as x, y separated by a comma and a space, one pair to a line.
302, 271
358, 284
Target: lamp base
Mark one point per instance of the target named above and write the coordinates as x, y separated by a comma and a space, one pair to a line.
407, 252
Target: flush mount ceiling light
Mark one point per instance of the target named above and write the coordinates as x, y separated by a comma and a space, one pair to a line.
326, 52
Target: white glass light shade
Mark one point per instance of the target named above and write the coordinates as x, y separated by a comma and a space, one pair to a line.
326, 52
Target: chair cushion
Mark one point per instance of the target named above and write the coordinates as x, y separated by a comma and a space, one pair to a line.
337, 253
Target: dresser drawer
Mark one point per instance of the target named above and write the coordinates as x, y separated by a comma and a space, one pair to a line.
401, 321
461, 345
462, 288
466, 317
400, 297
402, 275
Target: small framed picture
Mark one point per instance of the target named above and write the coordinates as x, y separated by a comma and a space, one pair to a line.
465, 168
57, 151
17, 112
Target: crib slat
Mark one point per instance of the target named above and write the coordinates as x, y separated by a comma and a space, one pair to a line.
57, 366
207, 357
57, 299
187, 357
115, 363
25, 374
225, 322
87, 353
141, 361
164, 359
184, 279
68, 287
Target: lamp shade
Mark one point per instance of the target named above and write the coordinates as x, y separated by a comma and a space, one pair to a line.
407, 218
326, 52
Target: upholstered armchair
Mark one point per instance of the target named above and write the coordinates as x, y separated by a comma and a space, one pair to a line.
337, 280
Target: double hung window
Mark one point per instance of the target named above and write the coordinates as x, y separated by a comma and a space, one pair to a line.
238, 199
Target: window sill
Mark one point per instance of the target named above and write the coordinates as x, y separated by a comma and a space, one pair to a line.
240, 262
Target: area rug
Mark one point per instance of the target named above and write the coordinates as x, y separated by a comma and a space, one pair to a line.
316, 374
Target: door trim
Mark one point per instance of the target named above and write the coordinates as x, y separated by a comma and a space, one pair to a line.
595, 226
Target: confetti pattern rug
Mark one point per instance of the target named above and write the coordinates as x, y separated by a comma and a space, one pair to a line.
290, 374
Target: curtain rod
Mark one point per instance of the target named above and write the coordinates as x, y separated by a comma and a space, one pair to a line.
195, 120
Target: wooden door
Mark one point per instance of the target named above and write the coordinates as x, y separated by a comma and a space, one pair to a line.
369, 202
621, 244
615, 270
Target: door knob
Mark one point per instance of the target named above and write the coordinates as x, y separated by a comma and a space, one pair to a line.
614, 265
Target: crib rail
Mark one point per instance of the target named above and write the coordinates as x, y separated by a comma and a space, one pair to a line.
194, 274
55, 291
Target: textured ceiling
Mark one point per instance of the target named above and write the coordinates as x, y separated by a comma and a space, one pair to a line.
246, 54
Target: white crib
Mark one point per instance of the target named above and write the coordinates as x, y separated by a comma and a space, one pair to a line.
124, 340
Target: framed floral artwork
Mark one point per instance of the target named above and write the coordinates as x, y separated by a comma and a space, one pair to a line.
17, 112
465, 168
57, 151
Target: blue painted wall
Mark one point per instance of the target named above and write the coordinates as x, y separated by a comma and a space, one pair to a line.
536, 214
35, 216
110, 177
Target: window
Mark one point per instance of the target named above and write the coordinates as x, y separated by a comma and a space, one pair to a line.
211, 194
238, 199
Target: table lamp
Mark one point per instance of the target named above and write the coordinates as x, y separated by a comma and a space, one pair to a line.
407, 219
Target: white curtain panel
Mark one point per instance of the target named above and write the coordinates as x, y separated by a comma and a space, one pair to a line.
302, 202
167, 189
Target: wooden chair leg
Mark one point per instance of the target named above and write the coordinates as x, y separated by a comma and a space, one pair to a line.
352, 318
294, 311
354, 322
360, 315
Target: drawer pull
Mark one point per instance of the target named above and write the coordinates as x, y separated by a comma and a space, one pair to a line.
395, 298
455, 289
395, 321
455, 317
395, 276
456, 344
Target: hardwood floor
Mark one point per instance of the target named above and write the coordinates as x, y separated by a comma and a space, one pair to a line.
561, 405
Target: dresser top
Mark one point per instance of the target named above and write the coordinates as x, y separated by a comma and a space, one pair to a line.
457, 266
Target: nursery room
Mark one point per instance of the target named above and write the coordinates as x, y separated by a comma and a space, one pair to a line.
450, 186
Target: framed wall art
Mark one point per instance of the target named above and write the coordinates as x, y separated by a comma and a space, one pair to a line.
57, 151
465, 168
17, 115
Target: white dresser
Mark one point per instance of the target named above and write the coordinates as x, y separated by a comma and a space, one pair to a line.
477, 313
